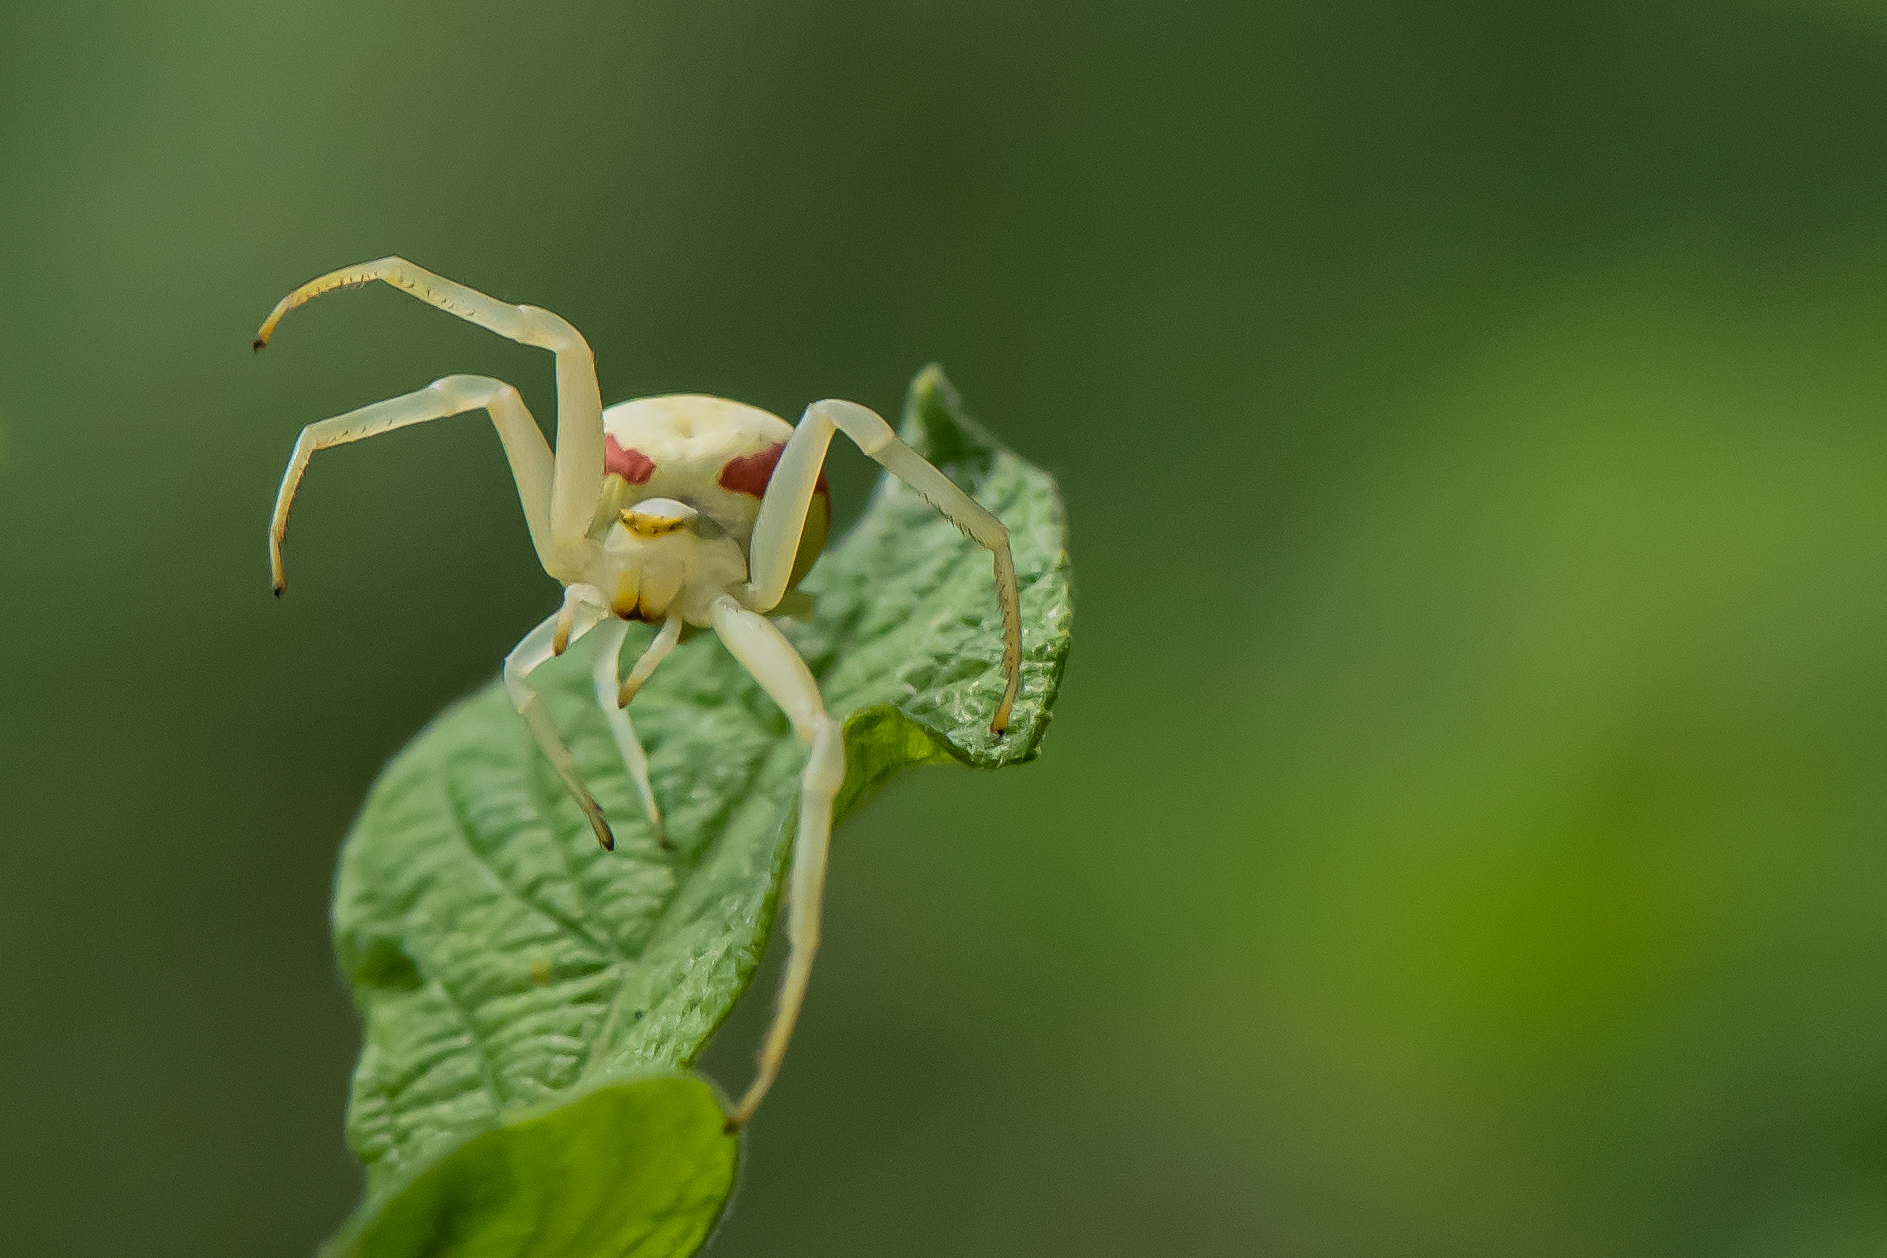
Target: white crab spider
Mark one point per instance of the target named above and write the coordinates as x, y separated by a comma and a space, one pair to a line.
679, 510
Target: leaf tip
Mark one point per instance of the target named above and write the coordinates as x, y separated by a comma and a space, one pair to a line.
937, 427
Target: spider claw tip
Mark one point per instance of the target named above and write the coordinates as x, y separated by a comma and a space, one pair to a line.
260, 343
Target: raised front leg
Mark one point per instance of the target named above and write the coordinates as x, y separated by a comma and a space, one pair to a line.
766, 653
577, 477
524, 445
789, 494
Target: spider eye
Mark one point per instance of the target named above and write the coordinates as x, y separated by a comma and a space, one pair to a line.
631, 464
653, 517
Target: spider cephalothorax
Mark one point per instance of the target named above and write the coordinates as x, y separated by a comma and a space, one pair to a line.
681, 510
684, 477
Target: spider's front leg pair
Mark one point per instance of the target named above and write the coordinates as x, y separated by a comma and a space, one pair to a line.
558, 491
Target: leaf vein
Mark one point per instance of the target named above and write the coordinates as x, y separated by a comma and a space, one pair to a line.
463, 831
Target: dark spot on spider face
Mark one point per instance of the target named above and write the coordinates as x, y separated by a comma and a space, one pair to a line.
632, 465
750, 473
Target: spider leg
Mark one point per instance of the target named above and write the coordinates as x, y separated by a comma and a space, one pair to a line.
789, 494
523, 442
764, 651
588, 607
605, 672
577, 475
645, 667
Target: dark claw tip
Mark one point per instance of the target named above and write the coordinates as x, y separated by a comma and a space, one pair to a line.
729, 1127
259, 343
278, 590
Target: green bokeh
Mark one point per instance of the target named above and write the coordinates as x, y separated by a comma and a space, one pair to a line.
1464, 827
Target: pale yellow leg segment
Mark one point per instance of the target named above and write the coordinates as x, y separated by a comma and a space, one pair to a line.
588, 607
577, 477
523, 442
789, 495
767, 654
604, 673
645, 667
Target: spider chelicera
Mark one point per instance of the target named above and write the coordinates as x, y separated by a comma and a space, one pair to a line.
680, 510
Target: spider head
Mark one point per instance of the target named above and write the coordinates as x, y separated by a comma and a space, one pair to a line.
661, 549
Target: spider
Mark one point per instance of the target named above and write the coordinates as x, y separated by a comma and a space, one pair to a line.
677, 511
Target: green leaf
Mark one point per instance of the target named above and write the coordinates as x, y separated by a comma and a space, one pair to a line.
636, 1167
504, 965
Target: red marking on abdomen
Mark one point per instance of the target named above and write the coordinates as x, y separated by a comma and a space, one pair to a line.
751, 473
632, 465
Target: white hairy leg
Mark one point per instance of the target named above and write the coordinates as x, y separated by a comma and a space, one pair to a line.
583, 607
577, 475
789, 494
604, 672
753, 640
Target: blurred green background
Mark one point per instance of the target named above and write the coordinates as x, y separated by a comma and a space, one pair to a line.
1464, 830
